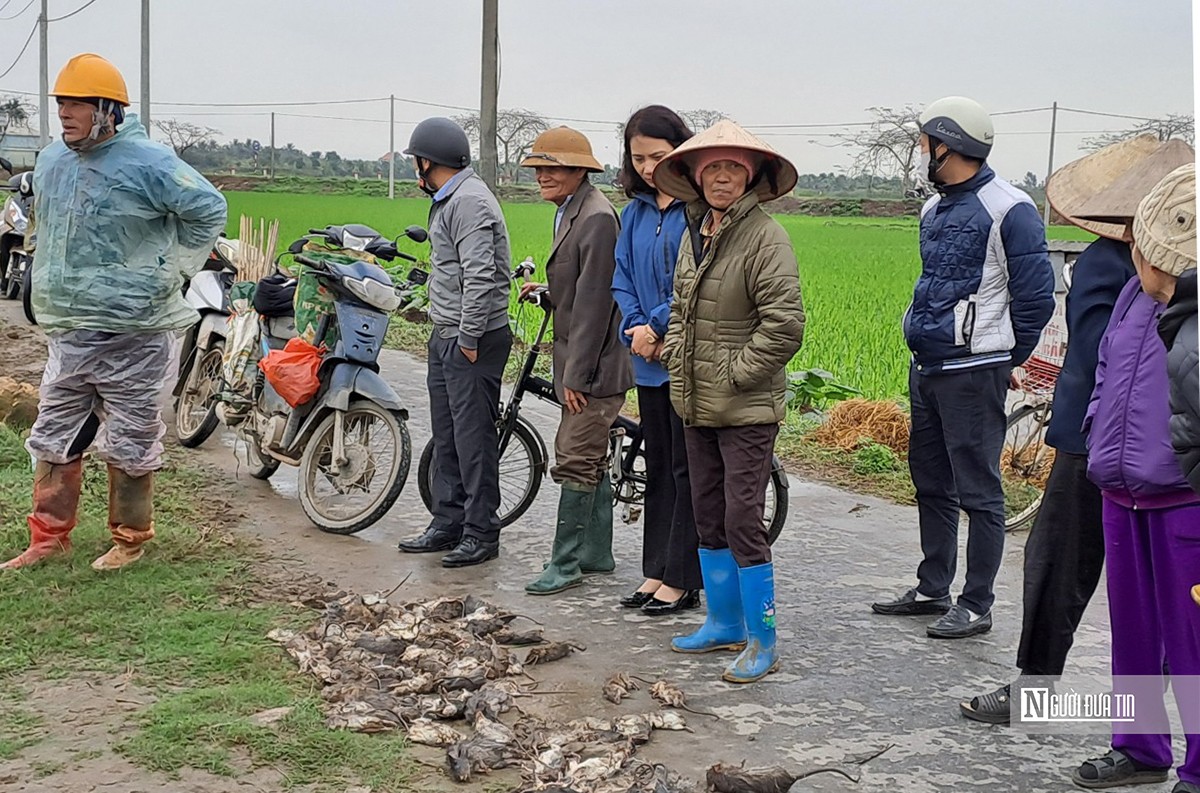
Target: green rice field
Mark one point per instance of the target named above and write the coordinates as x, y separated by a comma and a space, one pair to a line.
857, 274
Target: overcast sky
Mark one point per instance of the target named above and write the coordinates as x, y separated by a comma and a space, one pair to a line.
763, 62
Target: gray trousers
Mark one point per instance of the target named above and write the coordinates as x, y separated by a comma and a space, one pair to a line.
958, 426
464, 405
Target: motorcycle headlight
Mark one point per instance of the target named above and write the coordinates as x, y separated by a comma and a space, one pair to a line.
354, 243
12, 216
374, 293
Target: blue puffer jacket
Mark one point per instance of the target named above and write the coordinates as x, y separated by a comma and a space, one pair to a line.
986, 288
645, 275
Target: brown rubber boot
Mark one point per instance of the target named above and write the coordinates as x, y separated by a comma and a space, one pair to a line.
130, 518
56, 490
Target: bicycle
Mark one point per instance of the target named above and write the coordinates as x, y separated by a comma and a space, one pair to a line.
1026, 458
524, 460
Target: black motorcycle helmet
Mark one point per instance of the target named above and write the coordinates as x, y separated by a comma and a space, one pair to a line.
440, 141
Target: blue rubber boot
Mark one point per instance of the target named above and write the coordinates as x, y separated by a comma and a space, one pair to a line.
758, 604
723, 628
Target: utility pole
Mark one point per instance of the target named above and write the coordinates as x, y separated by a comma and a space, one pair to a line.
146, 65
392, 149
1050, 166
272, 145
44, 83
490, 93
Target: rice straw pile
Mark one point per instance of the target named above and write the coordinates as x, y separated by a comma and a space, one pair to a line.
850, 422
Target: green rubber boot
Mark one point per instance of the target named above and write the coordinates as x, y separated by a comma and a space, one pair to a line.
574, 514
597, 555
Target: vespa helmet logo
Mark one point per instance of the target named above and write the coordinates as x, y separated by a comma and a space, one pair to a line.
951, 133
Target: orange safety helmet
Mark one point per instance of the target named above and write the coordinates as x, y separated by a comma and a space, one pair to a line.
88, 76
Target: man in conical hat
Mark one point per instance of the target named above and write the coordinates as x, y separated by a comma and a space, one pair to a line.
1064, 554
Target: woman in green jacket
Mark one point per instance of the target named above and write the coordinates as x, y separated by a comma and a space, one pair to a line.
736, 321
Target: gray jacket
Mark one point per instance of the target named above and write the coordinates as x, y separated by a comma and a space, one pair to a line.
470, 261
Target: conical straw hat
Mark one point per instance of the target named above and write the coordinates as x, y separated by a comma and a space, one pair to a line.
672, 173
1100, 192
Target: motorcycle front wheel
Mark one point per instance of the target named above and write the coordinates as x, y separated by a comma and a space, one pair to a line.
27, 293
348, 498
196, 411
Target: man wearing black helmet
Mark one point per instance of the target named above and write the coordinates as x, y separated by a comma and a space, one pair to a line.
985, 292
468, 305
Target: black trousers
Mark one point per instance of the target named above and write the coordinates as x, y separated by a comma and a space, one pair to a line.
958, 426
669, 541
464, 404
730, 468
1064, 556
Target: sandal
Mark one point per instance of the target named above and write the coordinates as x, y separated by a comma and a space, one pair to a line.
991, 708
1114, 770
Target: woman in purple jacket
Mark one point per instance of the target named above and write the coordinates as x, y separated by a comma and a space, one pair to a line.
1151, 515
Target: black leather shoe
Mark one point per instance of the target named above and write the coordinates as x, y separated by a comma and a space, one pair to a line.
657, 608
635, 599
432, 541
908, 606
471, 551
957, 624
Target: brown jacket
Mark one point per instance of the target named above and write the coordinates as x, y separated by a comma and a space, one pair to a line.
588, 354
736, 320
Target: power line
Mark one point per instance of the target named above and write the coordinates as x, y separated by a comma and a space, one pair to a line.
6, 4
14, 16
73, 13
17, 60
1107, 115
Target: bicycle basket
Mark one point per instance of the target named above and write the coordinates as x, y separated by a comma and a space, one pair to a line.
1039, 376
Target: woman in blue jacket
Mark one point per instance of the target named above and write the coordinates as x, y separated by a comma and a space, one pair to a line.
652, 226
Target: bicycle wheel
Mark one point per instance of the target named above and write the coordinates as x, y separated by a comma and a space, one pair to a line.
1025, 463
522, 467
776, 508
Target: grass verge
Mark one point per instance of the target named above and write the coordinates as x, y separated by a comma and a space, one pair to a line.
188, 623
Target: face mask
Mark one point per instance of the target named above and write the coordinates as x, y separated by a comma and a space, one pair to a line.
101, 125
920, 169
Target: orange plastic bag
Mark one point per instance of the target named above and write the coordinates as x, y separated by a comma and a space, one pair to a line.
292, 371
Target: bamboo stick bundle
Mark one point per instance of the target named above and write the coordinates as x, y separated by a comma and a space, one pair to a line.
256, 248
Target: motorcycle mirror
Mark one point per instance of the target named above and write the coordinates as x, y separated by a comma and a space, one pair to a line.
6, 165
416, 234
297, 246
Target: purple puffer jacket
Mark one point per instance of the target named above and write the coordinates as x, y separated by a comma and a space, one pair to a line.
1128, 419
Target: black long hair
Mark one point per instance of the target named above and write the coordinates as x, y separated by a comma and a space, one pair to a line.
652, 121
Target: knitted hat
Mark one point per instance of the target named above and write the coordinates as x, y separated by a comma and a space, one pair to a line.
1164, 228
743, 157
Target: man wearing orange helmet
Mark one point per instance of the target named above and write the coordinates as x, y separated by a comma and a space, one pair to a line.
121, 222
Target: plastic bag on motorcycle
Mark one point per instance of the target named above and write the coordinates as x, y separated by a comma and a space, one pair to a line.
241, 351
313, 301
292, 371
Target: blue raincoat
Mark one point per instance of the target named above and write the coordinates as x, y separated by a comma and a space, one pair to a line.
118, 229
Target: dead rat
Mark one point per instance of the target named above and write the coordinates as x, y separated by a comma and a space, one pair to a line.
618, 686
551, 651
672, 696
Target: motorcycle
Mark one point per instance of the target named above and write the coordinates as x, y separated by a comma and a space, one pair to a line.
17, 242
350, 441
203, 349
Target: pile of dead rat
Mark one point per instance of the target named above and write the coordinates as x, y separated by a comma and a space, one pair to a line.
421, 666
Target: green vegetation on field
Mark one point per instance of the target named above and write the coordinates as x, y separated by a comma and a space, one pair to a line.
857, 274
187, 624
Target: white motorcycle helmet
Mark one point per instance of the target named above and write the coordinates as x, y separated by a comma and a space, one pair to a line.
960, 123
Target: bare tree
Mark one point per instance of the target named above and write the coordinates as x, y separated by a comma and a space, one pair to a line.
1171, 126
700, 120
516, 130
184, 136
889, 145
